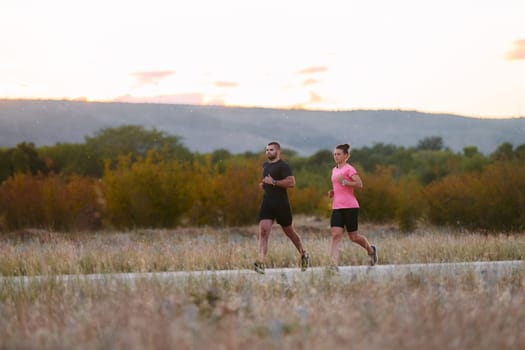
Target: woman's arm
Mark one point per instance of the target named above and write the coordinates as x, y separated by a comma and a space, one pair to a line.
355, 181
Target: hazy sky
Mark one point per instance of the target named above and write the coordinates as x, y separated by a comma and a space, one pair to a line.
456, 56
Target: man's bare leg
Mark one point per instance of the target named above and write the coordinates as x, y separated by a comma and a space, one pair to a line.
295, 238
265, 227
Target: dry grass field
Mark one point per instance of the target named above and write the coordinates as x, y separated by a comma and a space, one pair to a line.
461, 311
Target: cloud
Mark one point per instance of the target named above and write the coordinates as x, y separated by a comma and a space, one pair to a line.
226, 84
315, 98
215, 101
310, 82
185, 98
152, 77
312, 70
518, 52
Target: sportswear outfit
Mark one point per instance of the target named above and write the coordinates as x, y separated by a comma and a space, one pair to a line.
345, 207
275, 204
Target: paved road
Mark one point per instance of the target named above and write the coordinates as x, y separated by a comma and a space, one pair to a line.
492, 271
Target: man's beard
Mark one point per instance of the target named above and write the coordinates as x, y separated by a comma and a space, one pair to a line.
272, 157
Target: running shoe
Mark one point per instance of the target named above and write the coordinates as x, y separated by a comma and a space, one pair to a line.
305, 262
258, 267
373, 256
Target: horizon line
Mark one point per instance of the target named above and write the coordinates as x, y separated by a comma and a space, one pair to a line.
292, 108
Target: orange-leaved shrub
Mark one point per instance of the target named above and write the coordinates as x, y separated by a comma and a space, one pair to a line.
50, 202
240, 193
224, 194
206, 195
152, 193
147, 192
493, 200
385, 199
410, 203
310, 201
378, 199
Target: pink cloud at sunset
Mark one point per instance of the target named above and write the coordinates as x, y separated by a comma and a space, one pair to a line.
517, 52
312, 70
315, 98
310, 82
152, 77
226, 84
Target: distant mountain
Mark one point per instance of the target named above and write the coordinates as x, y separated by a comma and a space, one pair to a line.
208, 128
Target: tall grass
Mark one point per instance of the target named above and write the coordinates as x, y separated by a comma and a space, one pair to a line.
48, 253
416, 312
430, 311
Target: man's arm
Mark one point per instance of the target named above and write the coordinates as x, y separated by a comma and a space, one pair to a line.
287, 182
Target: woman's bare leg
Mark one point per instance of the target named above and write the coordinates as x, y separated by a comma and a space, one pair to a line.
337, 238
361, 240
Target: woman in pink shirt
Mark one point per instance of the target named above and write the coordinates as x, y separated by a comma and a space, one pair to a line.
345, 207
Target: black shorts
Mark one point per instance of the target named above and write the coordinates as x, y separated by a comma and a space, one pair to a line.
345, 217
280, 212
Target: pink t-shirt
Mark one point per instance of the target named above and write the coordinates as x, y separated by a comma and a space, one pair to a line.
343, 195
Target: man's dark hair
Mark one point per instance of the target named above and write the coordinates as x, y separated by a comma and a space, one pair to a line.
275, 143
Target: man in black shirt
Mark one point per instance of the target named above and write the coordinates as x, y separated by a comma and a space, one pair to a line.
277, 178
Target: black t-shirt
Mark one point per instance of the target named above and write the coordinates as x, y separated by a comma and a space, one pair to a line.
278, 171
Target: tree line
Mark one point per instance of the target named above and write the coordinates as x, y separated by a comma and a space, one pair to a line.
129, 177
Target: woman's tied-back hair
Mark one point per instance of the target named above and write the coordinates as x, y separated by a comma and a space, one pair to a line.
345, 148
